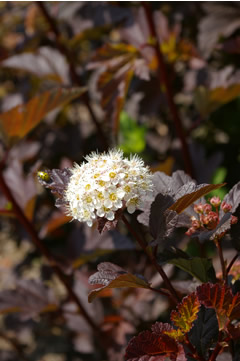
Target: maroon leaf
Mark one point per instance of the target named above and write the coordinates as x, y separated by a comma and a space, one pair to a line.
113, 276
117, 64
220, 297
168, 187
148, 344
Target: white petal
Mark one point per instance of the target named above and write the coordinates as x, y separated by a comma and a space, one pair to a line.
131, 208
89, 223
107, 203
110, 216
118, 203
100, 212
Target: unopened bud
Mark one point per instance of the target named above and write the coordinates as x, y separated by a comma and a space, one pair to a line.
196, 224
226, 207
234, 220
215, 201
207, 208
210, 220
198, 208
190, 231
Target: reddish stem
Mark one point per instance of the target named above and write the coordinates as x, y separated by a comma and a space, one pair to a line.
41, 247
231, 263
164, 79
216, 351
223, 266
153, 260
74, 75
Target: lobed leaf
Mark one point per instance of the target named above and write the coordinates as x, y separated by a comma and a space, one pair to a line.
186, 313
149, 345
113, 276
20, 120
220, 298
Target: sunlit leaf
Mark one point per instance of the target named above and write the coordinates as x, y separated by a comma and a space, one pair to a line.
207, 101
185, 201
20, 120
186, 313
113, 276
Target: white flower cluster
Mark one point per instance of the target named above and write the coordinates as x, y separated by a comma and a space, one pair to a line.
105, 183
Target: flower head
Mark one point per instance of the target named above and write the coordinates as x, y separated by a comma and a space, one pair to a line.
106, 183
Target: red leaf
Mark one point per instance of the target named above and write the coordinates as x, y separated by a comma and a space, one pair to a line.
150, 344
222, 300
186, 313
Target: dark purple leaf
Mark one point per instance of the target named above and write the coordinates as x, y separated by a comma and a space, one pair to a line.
166, 186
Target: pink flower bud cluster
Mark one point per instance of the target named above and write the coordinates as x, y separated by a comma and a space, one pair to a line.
207, 217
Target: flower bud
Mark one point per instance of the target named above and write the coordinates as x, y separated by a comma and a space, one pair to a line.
198, 208
207, 208
226, 207
234, 220
210, 220
190, 231
215, 201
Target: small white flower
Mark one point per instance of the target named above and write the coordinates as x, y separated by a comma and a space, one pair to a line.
105, 183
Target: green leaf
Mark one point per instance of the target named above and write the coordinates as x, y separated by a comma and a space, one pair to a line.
200, 268
20, 120
132, 135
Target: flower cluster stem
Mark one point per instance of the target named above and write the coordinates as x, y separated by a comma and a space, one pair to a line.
164, 79
41, 247
153, 260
